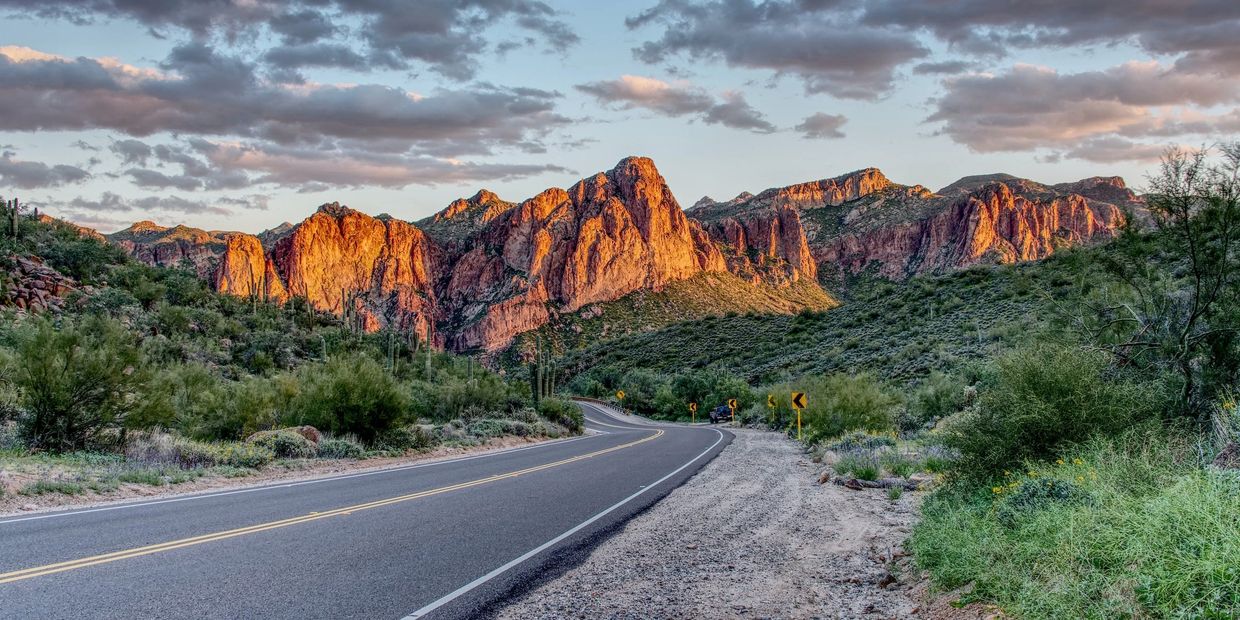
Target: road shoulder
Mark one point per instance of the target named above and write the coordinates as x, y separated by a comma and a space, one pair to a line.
749, 536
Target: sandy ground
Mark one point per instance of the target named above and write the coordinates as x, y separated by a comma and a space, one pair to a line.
751, 536
282, 471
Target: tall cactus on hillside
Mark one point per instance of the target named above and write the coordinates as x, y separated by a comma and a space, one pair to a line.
542, 372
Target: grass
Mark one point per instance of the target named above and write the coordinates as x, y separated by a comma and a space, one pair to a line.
1129, 527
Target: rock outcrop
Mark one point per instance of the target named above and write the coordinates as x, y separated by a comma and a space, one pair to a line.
29, 285
179, 246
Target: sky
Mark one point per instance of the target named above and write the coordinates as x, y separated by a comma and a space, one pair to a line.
242, 114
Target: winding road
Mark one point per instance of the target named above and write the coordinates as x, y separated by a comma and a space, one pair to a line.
448, 539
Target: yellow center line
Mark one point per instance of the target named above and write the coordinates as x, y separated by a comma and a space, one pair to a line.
59, 567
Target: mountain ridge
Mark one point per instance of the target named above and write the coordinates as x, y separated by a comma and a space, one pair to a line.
483, 269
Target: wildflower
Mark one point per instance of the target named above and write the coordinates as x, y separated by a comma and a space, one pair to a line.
996, 490
1080, 478
1033, 474
1077, 461
1059, 461
1007, 474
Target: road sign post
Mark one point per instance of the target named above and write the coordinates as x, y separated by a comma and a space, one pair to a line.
770, 408
693, 413
798, 403
732, 406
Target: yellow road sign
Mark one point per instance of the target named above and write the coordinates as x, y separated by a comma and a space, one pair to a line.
770, 401
693, 407
798, 400
620, 394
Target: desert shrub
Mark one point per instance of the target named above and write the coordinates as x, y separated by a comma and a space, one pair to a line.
141, 476
75, 381
239, 454
859, 440
938, 396
561, 411
898, 464
1033, 494
1044, 399
839, 403
350, 394
337, 448
859, 464
404, 438
284, 443
42, 487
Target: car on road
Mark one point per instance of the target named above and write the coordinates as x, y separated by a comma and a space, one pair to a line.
720, 414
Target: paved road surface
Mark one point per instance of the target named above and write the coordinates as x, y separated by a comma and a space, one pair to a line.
441, 540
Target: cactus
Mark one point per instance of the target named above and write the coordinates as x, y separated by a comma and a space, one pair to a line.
542, 372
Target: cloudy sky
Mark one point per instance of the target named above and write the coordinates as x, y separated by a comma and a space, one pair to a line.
241, 114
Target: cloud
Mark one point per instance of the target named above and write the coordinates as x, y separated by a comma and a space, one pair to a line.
820, 125
1203, 31
946, 67
297, 167
446, 36
110, 202
33, 174
815, 41
1111, 149
199, 92
633, 92
1029, 107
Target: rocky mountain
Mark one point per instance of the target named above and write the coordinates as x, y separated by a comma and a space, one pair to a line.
862, 222
484, 270
173, 247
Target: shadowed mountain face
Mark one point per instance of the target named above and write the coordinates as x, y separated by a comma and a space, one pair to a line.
484, 270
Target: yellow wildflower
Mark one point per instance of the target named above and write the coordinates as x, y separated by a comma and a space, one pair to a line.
1059, 461
1077, 461
996, 490
1080, 478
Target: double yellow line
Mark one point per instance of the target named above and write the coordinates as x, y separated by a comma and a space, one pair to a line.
60, 567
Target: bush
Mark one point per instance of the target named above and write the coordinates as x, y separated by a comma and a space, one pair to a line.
1034, 494
840, 403
1044, 399
405, 438
862, 465
859, 440
42, 487
938, 396
76, 381
244, 455
564, 412
340, 449
166, 449
285, 444
350, 394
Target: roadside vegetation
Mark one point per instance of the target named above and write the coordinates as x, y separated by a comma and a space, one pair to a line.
1078, 416
149, 377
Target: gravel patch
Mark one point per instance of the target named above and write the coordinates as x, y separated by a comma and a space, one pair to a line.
750, 536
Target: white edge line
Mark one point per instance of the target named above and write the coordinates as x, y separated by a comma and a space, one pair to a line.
284, 485
543, 547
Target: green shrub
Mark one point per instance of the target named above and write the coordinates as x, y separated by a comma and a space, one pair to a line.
564, 412
76, 380
340, 449
141, 476
42, 487
862, 465
405, 438
894, 493
1044, 399
839, 403
938, 396
350, 394
898, 465
244, 455
167, 449
861, 440
285, 444
1034, 494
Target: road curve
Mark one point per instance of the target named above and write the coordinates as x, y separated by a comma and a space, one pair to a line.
450, 539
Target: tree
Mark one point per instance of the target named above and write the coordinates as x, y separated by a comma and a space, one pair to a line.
75, 381
1182, 321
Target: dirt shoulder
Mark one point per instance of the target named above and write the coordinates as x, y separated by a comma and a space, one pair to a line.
751, 536
17, 474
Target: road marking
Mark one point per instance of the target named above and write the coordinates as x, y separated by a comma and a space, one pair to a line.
455, 594
287, 485
60, 567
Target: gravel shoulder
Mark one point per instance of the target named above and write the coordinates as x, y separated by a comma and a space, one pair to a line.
750, 536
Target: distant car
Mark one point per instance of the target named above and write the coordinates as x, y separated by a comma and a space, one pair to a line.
720, 414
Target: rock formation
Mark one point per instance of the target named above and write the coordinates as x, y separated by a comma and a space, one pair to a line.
484, 270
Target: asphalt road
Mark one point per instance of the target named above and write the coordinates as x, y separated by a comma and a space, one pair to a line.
452, 539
